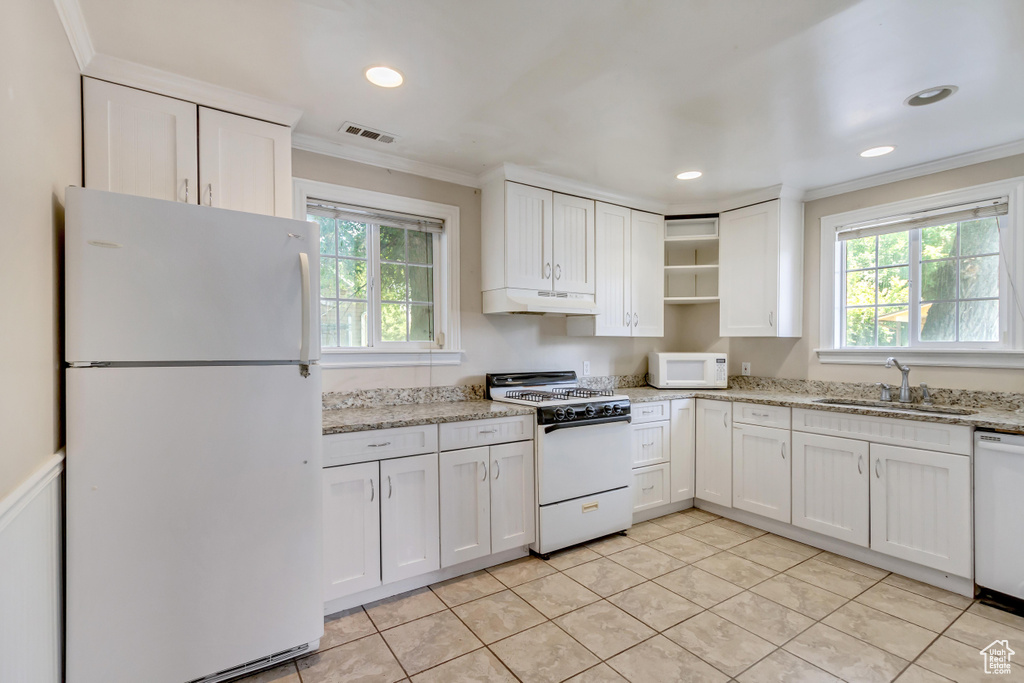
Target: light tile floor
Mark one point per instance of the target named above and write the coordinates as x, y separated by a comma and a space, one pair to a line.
686, 597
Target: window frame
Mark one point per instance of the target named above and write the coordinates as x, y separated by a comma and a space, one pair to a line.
1008, 352
447, 350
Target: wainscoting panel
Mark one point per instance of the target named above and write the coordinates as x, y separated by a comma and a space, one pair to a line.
30, 578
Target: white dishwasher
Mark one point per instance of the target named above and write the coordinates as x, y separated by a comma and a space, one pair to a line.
999, 513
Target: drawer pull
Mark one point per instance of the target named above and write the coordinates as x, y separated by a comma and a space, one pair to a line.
647, 445
649, 488
379, 445
590, 507
761, 414
487, 431
648, 412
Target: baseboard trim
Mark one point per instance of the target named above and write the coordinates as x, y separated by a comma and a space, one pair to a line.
18, 499
414, 582
957, 584
662, 510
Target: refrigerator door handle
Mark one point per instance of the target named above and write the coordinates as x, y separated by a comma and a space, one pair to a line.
304, 348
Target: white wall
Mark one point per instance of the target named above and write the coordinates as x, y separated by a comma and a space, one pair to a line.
795, 358
40, 154
492, 343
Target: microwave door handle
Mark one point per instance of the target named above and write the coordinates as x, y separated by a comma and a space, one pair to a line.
601, 421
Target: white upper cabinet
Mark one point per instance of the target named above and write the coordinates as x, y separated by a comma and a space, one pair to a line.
528, 233
144, 144
572, 251
714, 451
630, 259
244, 164
647, 256
139, 143
761, 270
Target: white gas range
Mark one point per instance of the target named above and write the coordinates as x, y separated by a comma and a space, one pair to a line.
583, 460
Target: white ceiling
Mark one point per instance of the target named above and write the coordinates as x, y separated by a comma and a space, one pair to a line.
619, 94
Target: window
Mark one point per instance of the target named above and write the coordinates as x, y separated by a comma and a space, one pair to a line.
388, 277
937, 277
377, 284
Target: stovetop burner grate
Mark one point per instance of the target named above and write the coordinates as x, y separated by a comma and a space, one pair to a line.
532, 395
580, 392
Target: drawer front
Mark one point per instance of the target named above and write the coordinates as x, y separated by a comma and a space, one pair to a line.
649, 412
583, 519
378, 444
650, 443
754, 414
933, 436
650, 487
456, 435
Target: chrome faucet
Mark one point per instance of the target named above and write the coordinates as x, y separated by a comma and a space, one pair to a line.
905, 369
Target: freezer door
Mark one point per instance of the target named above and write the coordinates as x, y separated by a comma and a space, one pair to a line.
148, 280
193, 519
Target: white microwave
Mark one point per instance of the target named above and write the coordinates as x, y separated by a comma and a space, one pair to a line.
688, 370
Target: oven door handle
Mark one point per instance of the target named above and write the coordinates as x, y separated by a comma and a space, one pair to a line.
597, 421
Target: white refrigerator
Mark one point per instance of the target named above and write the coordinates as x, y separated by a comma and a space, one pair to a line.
193, 440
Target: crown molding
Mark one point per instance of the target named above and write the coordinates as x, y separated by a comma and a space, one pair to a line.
372, 157
70, 13
737, 201
136, 75
550, 181
958, 161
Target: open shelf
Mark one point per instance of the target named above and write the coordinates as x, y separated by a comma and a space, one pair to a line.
676, 300
691, 261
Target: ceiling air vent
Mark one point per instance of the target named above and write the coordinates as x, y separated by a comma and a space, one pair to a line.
368, 133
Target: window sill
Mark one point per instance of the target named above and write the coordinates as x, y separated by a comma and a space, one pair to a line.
949, 358
376, 358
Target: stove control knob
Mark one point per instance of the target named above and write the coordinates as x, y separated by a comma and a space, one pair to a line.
559, 413
570, 414
616, 409
590, 411
608, 410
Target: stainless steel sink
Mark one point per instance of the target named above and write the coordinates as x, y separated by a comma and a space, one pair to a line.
896, 407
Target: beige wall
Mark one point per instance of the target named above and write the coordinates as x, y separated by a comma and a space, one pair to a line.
40, 154
492, 343
795, 358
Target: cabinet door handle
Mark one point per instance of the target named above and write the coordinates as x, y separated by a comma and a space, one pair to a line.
860, 464
209, 187
558, 271
725, 419
484, 465
627, 318
389, 486
771, 320
636, 320
186, 190
497, 470
783, 450
372, 492
378, 445
547, 271
878, 463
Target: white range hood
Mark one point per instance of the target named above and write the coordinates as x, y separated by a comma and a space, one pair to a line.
538, 302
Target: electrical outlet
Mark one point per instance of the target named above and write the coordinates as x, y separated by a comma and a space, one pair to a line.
745, 369
586, 368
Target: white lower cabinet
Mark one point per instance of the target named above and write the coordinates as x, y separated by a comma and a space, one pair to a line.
650, 487
830, 486
761, 471
487, 501
650, 443
410, 543
921, 507
714, 451
351, 529
682, 450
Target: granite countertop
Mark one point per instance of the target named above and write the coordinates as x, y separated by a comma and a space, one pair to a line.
341, 420
986, 417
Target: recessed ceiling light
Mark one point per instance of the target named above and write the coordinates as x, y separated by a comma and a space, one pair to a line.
384, 76
930, 95
877, 151
689, 175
